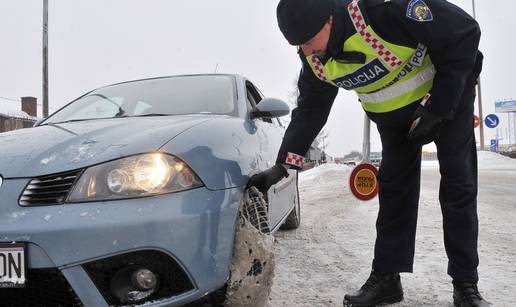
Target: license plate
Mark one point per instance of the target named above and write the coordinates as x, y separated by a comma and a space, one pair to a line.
13, 266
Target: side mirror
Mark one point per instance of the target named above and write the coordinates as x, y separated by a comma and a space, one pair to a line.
270, 108
39, 121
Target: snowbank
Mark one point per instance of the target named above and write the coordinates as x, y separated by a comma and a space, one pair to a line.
324, 171
486, 160
329, 178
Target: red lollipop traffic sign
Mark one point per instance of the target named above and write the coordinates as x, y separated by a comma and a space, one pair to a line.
363, 181
476, 121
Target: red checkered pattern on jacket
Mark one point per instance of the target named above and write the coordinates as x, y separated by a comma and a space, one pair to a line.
294, 159
425, 99
319, 68
373, 41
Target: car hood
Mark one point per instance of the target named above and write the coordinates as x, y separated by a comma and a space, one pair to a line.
55, 148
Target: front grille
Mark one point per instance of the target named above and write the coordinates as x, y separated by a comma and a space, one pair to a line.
48, 190
172, 278
44, 288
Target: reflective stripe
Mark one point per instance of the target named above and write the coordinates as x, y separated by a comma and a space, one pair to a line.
400, 88
370, 38
319, 68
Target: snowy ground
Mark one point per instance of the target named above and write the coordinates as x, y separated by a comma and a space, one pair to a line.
331, 253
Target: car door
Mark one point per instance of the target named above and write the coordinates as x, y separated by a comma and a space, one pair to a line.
281, 196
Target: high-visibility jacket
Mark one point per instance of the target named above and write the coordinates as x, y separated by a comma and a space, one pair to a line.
392, 76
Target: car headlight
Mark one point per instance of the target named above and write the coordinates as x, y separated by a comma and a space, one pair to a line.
137, 176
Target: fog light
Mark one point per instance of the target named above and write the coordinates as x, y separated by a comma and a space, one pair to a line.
144, 280
134, 284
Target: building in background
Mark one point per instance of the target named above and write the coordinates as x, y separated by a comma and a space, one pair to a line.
428, 155
316, 156
15, 116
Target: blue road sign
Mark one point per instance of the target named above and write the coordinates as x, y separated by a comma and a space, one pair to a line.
505, 106
492, 121
494, 145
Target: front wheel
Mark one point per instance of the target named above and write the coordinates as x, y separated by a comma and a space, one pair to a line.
252, 266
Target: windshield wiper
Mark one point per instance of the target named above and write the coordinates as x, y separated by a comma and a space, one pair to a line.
67, 121
162, 114
152, 114
121, 113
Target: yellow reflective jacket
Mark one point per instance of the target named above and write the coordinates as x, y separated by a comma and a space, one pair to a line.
392, 76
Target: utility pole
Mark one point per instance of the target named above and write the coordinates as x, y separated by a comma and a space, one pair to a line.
45, 58
479, 91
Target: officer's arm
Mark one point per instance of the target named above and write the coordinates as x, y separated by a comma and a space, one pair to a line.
452, 38
313, 107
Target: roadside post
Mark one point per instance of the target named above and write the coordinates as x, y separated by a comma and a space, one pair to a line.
45, 58
366, 144
494, 145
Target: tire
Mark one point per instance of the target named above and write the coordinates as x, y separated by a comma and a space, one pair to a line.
255, 210
253, 263
294, 218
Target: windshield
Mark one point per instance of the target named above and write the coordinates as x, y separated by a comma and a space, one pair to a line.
202, 94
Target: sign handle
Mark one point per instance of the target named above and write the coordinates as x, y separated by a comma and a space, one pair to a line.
366, 144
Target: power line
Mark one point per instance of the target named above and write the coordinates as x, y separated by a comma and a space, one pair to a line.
10, 99
15, 100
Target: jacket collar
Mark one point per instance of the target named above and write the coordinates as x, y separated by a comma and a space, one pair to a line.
342, 29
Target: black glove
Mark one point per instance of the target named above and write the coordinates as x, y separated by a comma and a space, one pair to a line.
264, 180
424, 124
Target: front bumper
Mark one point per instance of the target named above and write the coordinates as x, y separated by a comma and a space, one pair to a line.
193, 228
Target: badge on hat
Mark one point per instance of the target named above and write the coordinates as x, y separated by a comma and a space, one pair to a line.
418, 10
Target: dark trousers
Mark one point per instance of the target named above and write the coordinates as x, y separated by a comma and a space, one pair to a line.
399, 179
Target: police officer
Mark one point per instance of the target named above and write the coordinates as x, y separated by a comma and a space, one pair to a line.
414, 65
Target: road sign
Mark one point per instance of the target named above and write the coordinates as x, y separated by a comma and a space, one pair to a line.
505, 106
494, 145
476, 121
492, 121
363, 181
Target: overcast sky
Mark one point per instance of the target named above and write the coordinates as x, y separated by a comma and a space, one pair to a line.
97, 42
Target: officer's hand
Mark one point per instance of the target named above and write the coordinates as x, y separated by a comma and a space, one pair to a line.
423, 123
264, 180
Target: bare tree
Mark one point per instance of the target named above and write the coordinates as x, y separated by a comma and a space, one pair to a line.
322, 140
293, 94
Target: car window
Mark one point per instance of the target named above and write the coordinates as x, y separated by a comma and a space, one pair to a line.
199, 94
98, 107
141, 107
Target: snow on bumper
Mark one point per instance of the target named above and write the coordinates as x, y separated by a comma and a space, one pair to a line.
194, 227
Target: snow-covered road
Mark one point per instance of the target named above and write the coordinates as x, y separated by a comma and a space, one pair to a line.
331, 253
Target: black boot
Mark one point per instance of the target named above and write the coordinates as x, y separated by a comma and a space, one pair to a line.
378, 289
466, 294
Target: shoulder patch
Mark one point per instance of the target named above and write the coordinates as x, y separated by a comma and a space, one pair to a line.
418, 10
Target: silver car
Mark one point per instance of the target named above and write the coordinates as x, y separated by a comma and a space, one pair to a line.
130, 194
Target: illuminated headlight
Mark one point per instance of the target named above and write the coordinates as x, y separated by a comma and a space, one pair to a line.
136, 176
